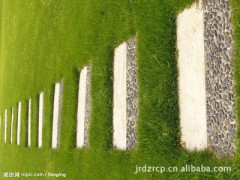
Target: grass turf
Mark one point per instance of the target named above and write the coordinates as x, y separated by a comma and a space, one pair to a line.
44, 41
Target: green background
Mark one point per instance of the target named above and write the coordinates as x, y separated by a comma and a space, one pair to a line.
45, 41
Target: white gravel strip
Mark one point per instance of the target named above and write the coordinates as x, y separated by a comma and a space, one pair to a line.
191, 66
40, 119
56, 115
5, 126
19, 123
29, 122
81, 107
12, 116
119, 97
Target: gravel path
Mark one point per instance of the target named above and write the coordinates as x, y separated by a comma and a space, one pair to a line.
221, 120
132, 93
87, 106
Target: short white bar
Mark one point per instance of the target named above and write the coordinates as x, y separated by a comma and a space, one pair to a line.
81, 107
56, 116
191, 66
29, 121
119, 97
11, 137
19, 123
5, 126
40, 119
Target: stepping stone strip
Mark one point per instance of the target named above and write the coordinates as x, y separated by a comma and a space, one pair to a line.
57, 114
219, 100
5, 126
125, 97
192, 89
1, 127
29, 122
84, 107
19, 123
11, 137
40, 119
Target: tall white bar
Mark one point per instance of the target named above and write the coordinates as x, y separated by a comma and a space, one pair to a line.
81, 107
12, 116
29, 121
191, 66
40, 119
5, 126
56, 115
19, 123
119, 97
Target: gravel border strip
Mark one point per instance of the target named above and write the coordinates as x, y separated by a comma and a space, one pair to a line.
221, 120
132, 94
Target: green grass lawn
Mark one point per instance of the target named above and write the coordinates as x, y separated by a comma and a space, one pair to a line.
44, 41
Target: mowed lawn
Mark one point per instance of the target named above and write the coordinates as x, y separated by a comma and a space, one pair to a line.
45, 41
